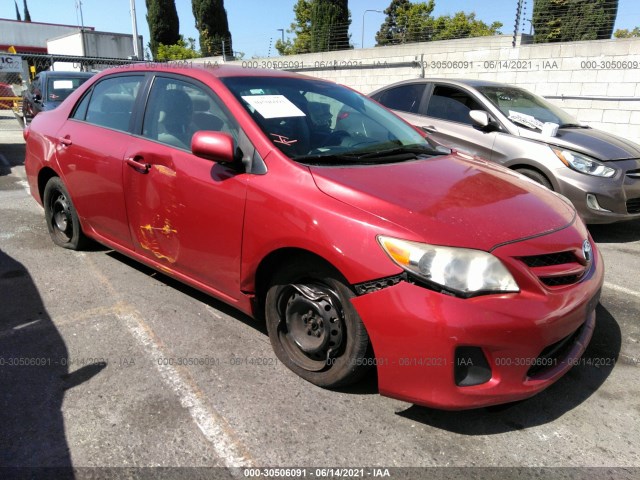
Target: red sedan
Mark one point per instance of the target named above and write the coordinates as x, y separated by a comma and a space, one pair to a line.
304, 203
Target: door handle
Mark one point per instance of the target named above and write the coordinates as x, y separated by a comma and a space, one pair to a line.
429, 128
137, 165
65, 141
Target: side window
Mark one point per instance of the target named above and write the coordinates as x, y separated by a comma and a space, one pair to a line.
80, 111
34, 88
177, 109
111, 103
405, 98
453, 104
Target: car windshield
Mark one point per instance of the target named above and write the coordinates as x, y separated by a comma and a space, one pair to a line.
59, 88
525, 108
317, 122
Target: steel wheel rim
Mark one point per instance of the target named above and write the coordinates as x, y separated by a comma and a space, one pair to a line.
311, 327
61, 218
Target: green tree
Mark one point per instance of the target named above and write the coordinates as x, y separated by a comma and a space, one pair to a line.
392, 31
301, 28
408, 22
27, 15
462, 25
319, 26
572, 20
625, 33
212, 23
330, 21
164, 26
18, 17
183, 50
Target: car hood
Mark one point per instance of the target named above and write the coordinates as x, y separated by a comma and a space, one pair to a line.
449, 200
596, 143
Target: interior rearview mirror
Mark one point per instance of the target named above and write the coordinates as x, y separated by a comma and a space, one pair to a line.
215, 146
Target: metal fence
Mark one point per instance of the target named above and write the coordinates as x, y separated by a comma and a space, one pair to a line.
17, 71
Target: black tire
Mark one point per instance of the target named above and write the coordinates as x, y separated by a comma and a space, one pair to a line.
61, 216
536, 177
324, 340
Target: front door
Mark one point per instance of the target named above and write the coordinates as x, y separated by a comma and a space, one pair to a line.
185, 212
446, 118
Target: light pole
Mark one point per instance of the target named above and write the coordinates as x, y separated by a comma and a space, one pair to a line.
281, 30
363, 14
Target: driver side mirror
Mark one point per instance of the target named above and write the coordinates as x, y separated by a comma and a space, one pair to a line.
482, 120
216, 146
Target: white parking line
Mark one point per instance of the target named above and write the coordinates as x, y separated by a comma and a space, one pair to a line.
625, 290
212, 426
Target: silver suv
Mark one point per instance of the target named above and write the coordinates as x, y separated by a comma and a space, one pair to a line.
599, 172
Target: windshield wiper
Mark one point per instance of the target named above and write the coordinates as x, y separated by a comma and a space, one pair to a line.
574, 125
391, 155
403, 149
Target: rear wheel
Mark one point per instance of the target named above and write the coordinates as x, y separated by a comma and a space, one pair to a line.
313, 328
536, 177
61, 216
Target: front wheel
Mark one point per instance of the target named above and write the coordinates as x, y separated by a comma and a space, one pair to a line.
61, 216
313, 327
536, 177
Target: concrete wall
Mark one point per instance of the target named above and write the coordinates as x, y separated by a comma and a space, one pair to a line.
602, 77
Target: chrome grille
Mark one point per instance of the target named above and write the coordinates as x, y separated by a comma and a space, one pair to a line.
556, 269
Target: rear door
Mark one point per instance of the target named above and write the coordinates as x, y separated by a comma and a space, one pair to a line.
91, 148
185, 213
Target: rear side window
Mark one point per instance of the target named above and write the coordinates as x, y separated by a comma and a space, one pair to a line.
405, 98
453, 104
111, 103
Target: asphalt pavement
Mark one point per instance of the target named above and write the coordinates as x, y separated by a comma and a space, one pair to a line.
107, 363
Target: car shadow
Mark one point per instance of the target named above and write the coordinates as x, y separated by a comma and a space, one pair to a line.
566, 394
367, 386
621, 232
222, 307
12, 156
34, 376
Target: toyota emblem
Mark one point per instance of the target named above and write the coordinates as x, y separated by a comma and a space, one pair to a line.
586, 251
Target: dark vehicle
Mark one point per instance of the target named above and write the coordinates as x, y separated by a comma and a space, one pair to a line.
599, 172
49, 89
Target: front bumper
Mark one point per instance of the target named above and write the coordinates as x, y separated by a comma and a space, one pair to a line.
615, 194
415, 333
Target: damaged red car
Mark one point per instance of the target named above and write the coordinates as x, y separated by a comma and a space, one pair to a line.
360, 242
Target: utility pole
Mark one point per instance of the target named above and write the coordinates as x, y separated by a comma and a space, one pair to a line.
134, 28
363, 14
517, 23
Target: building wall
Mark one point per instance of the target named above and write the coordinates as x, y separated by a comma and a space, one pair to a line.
29, 37
601, 77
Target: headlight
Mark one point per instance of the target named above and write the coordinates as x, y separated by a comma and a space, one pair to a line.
461, 270
583, 164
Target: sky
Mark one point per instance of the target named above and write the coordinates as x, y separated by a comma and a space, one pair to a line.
254, 24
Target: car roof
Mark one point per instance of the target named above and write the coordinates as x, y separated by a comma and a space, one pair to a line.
66, 74
462, 82
205, 69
